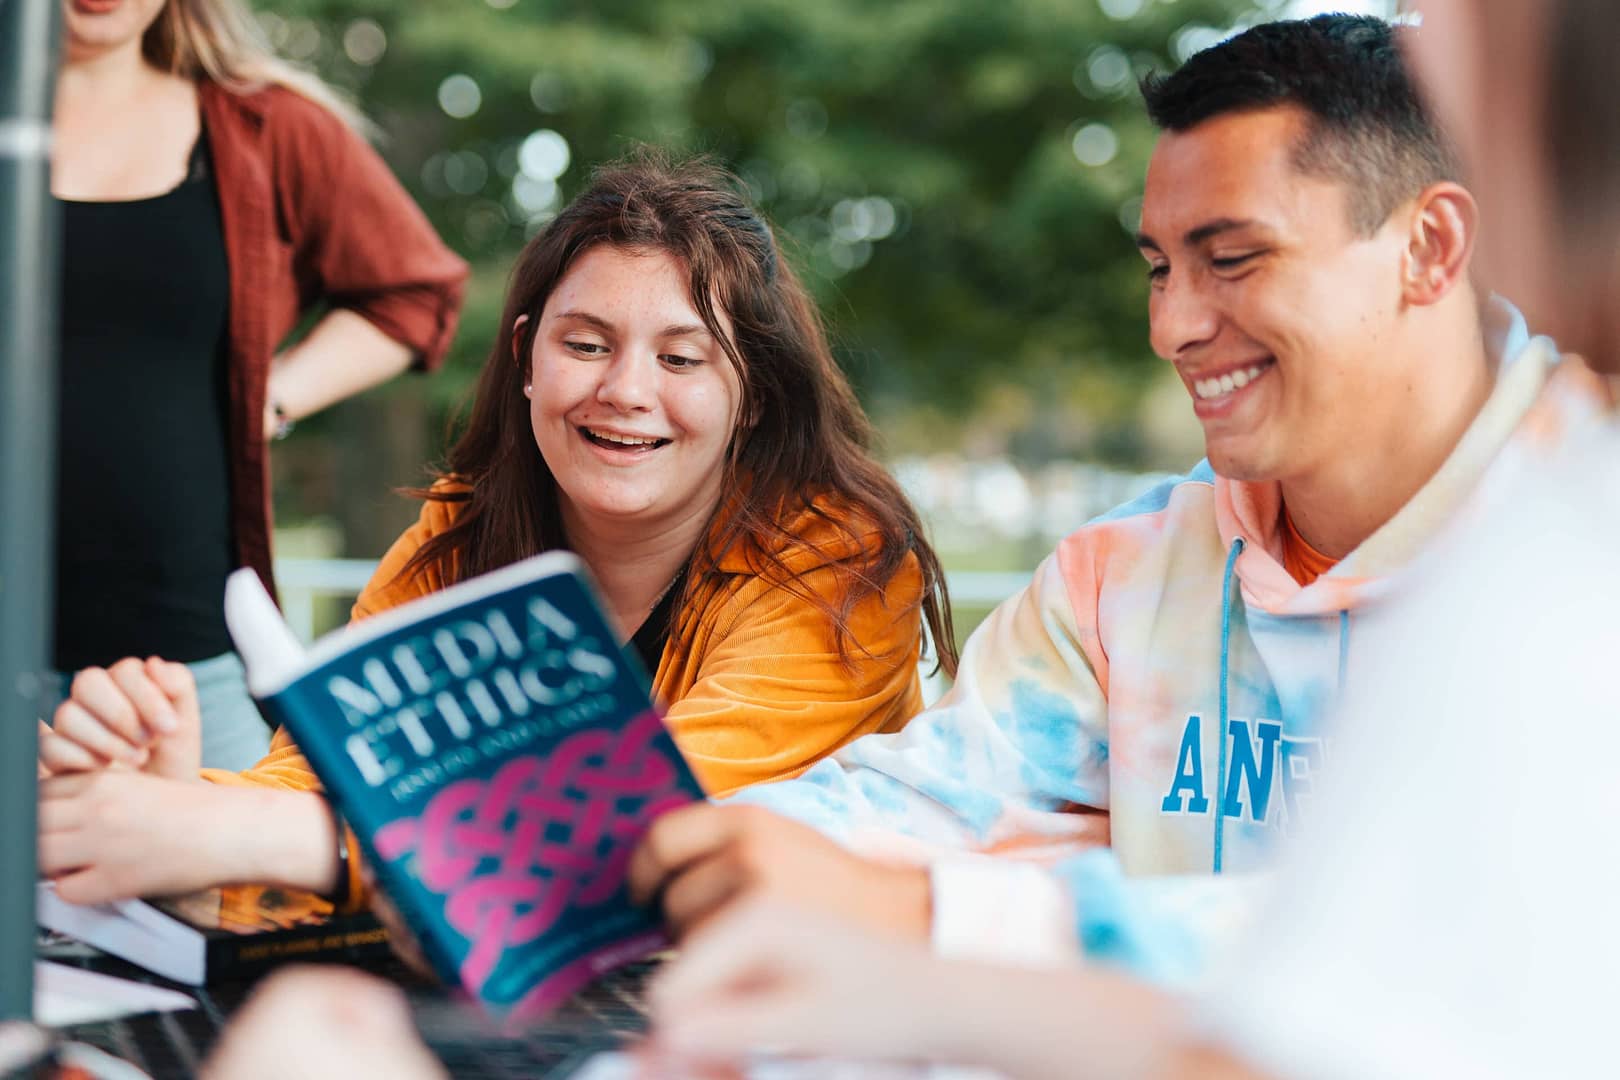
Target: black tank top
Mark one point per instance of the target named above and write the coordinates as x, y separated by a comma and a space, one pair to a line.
143, 525
647, 643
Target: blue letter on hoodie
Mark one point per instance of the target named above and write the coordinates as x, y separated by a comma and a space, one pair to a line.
1189, 773
1258, 775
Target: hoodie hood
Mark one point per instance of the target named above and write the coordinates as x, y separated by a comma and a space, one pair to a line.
1252, 512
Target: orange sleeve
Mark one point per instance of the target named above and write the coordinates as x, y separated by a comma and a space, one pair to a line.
772, 696
285, 766
387, 588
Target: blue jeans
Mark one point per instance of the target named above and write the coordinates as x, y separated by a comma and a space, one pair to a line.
234, 735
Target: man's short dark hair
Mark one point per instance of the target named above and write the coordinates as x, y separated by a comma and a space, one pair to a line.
1368, 124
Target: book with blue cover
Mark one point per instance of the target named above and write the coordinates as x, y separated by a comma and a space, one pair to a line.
498, 756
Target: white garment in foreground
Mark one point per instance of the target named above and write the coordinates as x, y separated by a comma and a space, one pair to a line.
1454, 913
620, 1066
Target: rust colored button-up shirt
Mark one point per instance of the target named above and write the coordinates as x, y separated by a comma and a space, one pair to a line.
311, 216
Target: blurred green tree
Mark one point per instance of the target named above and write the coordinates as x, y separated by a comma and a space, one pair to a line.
957, 178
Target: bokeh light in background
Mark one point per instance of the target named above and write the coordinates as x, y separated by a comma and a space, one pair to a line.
364, 42
459, 96
544, 155
542, 158
1095, 144
1304, 9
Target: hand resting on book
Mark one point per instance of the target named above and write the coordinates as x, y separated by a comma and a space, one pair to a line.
117, 833
139, 714
123, 812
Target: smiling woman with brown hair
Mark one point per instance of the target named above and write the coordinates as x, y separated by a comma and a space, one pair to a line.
662, 401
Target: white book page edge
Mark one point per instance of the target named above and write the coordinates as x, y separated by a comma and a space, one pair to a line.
64, 996
274, 659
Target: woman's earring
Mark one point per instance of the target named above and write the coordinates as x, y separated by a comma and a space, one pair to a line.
528, 389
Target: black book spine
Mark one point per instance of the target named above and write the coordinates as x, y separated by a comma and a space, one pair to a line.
346, 940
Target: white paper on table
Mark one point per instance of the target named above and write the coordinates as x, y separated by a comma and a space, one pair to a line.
619, 1066
64, 996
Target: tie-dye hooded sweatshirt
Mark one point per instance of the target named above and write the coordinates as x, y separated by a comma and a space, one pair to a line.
1160, 687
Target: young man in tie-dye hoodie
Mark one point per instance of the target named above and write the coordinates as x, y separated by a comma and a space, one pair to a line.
1161, 685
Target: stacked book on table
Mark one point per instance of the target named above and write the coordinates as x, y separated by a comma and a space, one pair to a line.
218, 935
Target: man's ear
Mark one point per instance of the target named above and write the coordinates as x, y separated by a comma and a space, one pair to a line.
1440, 243
517, 343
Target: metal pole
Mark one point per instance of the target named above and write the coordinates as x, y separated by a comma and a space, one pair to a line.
28, 332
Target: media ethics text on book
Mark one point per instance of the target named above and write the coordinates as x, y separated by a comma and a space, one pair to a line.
491, 685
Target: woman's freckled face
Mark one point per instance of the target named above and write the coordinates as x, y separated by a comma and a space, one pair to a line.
633, 402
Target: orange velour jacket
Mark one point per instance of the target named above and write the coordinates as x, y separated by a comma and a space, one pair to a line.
756, 691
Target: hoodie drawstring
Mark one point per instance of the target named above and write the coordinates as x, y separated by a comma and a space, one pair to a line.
1227, 602
1344, 646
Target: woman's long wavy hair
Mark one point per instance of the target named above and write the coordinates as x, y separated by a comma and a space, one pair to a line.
805, 439
219, 40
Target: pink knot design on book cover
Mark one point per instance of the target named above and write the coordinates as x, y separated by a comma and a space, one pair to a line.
550, 833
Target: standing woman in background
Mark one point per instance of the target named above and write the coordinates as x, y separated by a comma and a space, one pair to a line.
212, 196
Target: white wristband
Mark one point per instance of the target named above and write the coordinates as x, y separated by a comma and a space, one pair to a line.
999, 910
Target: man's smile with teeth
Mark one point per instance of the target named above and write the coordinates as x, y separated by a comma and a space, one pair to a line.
615, 439
1216, 385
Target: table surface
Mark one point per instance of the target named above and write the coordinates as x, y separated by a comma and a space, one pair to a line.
605, 1014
